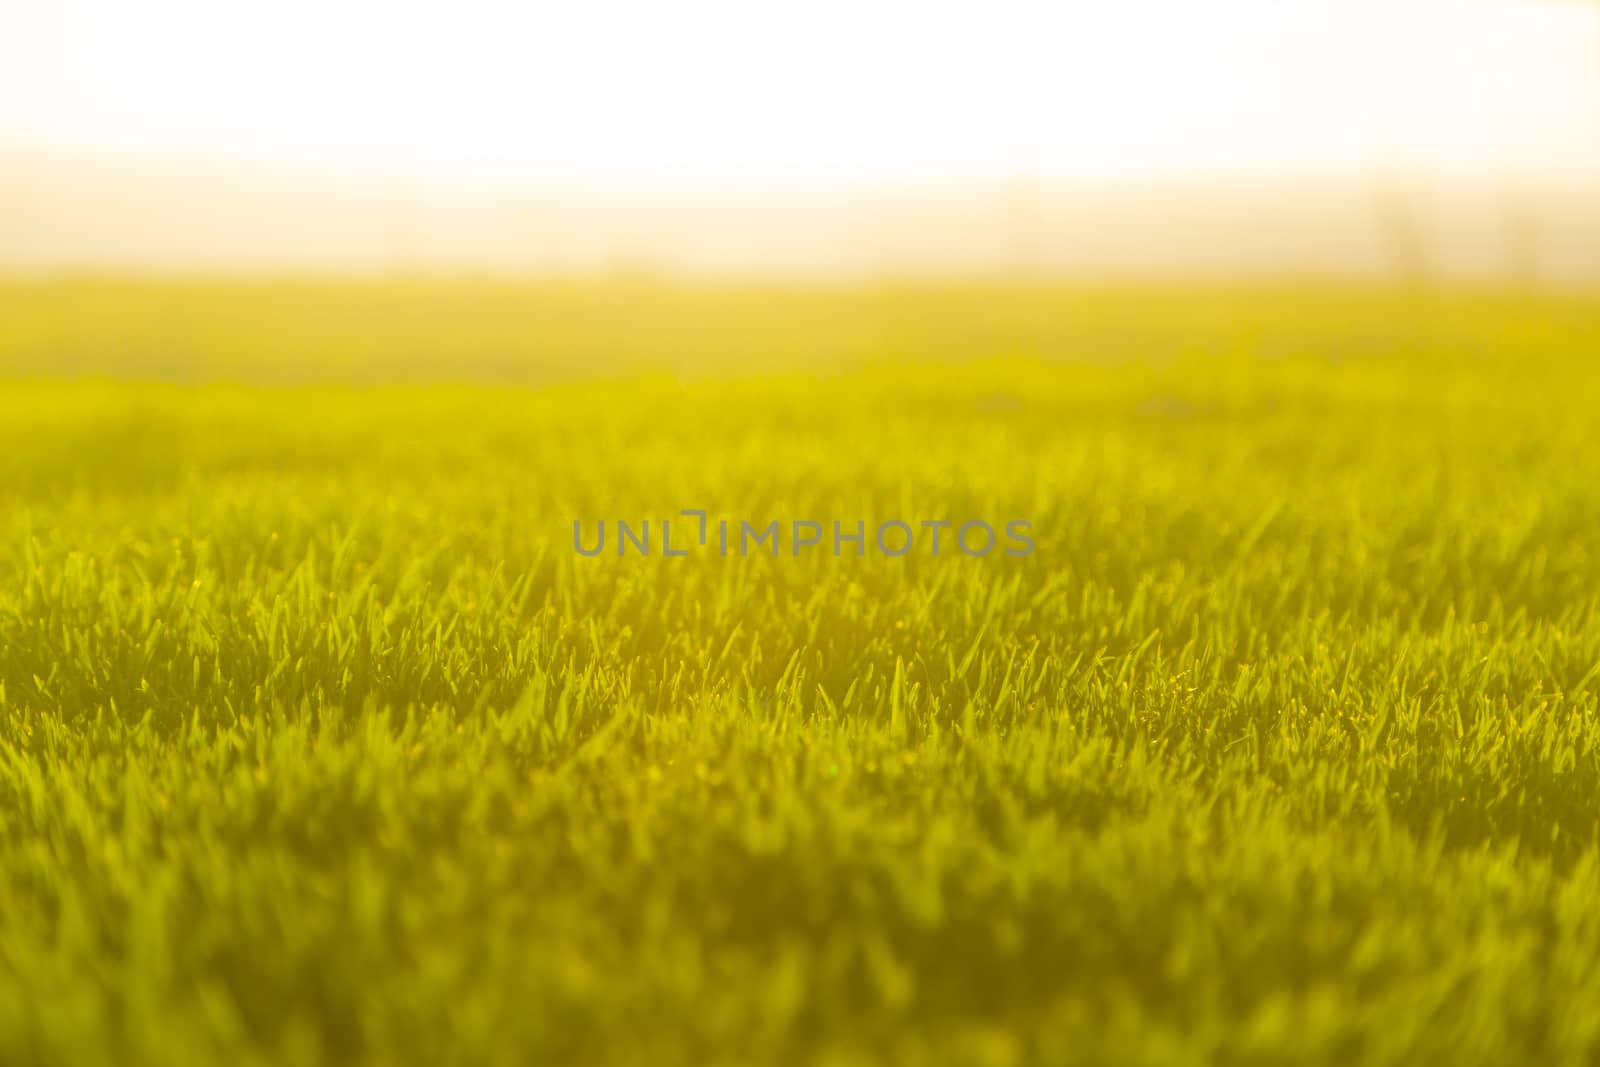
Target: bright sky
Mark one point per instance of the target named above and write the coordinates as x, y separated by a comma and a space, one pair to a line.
811, 91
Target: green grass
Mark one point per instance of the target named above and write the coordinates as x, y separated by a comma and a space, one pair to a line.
319, 744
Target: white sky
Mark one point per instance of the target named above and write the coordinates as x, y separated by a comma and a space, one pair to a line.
818, 91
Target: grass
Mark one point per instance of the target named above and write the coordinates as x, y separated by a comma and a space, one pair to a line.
320, 744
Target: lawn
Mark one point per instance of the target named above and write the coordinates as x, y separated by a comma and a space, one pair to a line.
321, 744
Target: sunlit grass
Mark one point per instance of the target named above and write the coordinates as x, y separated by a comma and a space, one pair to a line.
319, 743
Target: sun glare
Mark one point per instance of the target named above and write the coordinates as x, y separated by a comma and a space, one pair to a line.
826, 91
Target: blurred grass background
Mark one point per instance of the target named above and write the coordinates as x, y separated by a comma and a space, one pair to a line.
295, 329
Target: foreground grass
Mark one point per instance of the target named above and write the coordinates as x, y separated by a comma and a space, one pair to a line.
319, 743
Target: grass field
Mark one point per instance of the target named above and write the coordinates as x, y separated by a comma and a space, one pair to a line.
319, 743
